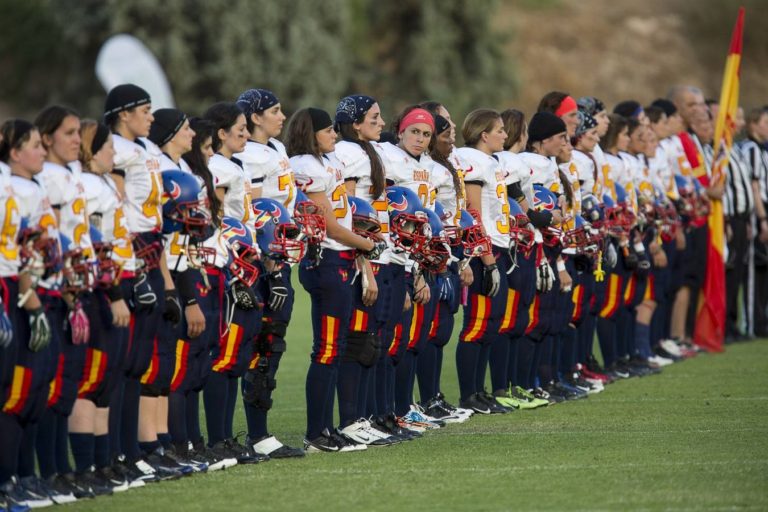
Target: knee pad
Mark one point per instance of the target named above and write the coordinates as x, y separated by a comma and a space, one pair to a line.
271, 338
258, 386
362, 347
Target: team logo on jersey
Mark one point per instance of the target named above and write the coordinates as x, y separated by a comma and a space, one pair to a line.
543, 202
202, 289
261, 217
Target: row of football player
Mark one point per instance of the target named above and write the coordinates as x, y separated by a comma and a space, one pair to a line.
129, 104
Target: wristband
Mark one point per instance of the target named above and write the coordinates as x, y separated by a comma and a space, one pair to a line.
560, 266
114, 293
185, 285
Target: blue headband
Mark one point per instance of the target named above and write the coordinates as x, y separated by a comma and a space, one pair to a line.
352, 109
255, 101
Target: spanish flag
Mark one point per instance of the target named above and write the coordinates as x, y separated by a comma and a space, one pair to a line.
710, 320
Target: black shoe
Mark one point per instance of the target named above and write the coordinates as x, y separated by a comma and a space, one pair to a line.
475, 403
32, 493
593, 366
388, 424
220, 452
493, 405
89, 479
137, 473
274, 449
659, 351
69, 480
115, 481
16, 497
244, 454
164, 469
558, 393
619, 371
182, 459
322, 443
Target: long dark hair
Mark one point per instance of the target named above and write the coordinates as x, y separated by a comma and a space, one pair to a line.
196, 160
348, 133
514, 125
618, 123
432, 107
13, 134
50, 118
223, 115
300, 135
567, 188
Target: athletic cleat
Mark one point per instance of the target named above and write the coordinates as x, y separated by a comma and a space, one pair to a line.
567, 391
526, 399
322, 443
660, 351
90, 480
182, 459
426, 417
160, 460
437, 409
659, 361
389, 424
243, 454
544, 394
8, 504
32, 494
474, 403
361, 432
112, 479
59, 490
418, 418
505, 399
274, 449
618, 370
494, 406
135, 477
346, 444
218, 458
671, 347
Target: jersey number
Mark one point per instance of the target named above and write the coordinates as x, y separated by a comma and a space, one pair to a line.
503, 225
340, 194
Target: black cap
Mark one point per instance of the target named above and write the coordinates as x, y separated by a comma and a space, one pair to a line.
167, 123
544, 125
124, 97
667, 106
320, 119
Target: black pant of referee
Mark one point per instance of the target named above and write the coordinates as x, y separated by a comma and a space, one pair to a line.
735, 273
761, 289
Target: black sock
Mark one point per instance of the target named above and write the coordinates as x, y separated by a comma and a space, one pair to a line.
526, 348
45, 444
586, 338
129, 424
27, 451
215, 402
467, 355
347, 386
606, 335
426, 365
512, 379
544, 368
233, 392
320, 378
10, 438
165, 440
177, 417
499, 361
63, 466
116, 419
83, 451
366, 382
482, 364
403, 394
193, 416
101, 451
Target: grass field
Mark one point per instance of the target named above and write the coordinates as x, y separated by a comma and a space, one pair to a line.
693, 438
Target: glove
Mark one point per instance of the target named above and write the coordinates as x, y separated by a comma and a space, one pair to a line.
545, 278
379, 246
80, 325
314, 252
40, 334
610, 256
445, 285
491, 280
172, 311
244, 296
144, 296
631, 260
278, 292
6, 329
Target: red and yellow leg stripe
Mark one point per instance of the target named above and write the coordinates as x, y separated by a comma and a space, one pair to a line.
480, 311
180, 364
154, 366
612, 294
510, 311
329, 334
417, 321
17, 397
229, 346
93, 373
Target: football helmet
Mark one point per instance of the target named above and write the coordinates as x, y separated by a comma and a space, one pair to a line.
579, 236
75, 268
473, 238
365, 221
183, 210
545, 199
523, 237
242, 250
434, 253
278, 236
406, 218
106, 269
37, 251
614, 219
308, 217
452, 231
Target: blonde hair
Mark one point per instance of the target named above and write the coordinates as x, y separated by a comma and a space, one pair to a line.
87, 133
476, 123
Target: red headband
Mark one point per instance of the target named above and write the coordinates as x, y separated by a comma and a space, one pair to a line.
566, 106
417, 115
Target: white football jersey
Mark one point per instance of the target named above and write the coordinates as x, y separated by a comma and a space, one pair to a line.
106, 211
405, 171
443, 190
591, 182
229, 174
616, 173
10, 219
484, 170
676, 158
543, 171
324, 175
267, 167
67, 194
631, 178
143, 186
603, 173
571, 172
516, 170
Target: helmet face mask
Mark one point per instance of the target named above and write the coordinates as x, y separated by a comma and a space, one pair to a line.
147, 253
242, 250
200, 256
106, 268
408, 232
522, 237
76, 270
277, 235
312, 223
287, 244
184, 211
365, 221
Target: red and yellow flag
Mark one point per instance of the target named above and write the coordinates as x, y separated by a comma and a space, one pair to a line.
710, 320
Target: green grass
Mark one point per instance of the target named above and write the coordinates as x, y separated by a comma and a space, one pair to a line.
693, 438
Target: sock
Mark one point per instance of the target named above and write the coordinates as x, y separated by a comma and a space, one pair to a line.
320, 378
83, 451
568, 350
467, 355
512, 378
389, 374
538, 356
165, 440
403, 395
586, 338
606, 336
101, 451
623, 344
177, 418
347, 386
63, 465
544, 368
193, 416
215, 402
149, 447
10, 438
482, 364
438, 368
115, 419
499, 361
27, 451
426, 366
229, 418
130, 419
45, 444
643, 340
366, 381
369, 407
380, 386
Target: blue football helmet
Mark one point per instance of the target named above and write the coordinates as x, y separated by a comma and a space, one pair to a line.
473, 238
183, 210
365, 220
35, 248
77, 271
106, 269
591, 210
242, 250
433, 255
308, 217
452, 231
580, 236
406, 218
545, 199
522, 236
278, 236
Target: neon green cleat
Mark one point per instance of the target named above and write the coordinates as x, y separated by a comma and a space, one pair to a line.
526, 398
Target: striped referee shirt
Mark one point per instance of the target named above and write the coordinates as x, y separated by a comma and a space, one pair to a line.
738, 185
755, 156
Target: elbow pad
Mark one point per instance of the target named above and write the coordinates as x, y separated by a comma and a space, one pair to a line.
515, 191
539, 219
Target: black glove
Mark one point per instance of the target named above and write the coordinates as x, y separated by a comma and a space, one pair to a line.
314, 253
631, 261
244, 296
379, 246
278, 292
144, 296
491, 280
172, 311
